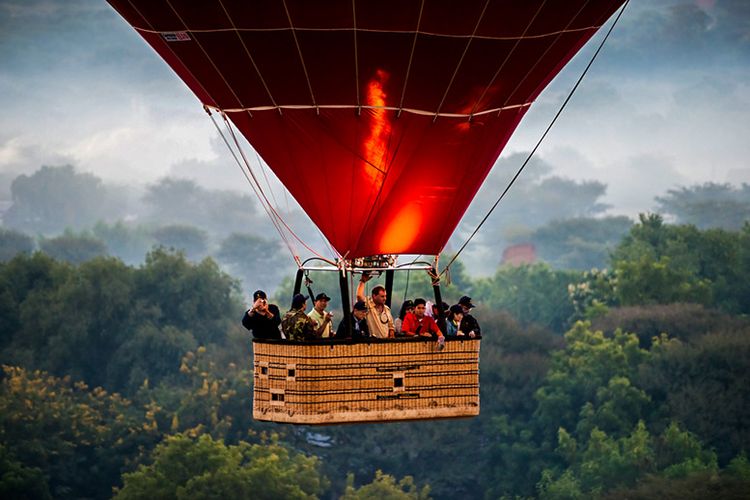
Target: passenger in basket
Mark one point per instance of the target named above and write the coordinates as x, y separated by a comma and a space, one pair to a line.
263, 319
455, 315
359, 328
379, 319
469, 325
406, 307
418, 323
296, 325
321, 317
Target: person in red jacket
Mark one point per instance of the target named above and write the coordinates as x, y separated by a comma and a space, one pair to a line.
417, 323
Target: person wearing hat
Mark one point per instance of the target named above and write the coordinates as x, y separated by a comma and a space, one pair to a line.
469, 325
320, 316
453, 323
263, 319
296, 325
359, 328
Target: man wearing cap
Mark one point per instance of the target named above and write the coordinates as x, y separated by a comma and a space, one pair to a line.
263, 319
359, 328
320, 316
469, 325
379, 319
296, 325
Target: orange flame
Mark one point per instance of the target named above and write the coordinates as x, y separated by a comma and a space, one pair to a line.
380, 128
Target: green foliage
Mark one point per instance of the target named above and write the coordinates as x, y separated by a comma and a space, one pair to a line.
204, 468
72, 247
14, 242
588, 378
531, 294
593, 295
686, 322
385, 487
704, 385
661, 264
20, 482
80, 438
110, 324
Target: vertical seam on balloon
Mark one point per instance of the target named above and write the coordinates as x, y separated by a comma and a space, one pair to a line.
461, 60
505, 61
411, 58
356, 58
213, 64
249, 56
302, 59
536, 63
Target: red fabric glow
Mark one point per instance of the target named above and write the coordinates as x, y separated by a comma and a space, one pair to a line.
382, 118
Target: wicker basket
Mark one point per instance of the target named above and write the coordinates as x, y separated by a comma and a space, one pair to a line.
329, 382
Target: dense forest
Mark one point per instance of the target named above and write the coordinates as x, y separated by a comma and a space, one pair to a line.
130, 376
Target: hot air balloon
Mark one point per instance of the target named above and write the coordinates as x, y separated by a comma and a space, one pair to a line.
382, 119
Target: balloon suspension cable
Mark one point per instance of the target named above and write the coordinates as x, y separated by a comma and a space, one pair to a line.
539, 142
252, 179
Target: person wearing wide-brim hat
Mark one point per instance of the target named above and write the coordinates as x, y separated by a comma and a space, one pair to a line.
469, 325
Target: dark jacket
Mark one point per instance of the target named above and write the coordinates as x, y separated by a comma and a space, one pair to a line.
359, 329
262, 326
468, 324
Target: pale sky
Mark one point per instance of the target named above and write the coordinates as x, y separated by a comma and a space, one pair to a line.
666, 104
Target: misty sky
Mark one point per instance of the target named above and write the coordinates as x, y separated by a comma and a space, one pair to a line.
666, 104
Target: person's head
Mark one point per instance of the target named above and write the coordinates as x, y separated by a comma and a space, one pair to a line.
321, 302
436, 313
299, 301
406, 307
360, 310
379, 295
419, 307
456, 313
465, 303
259, 294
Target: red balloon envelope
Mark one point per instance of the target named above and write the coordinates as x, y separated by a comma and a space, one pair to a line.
382, 118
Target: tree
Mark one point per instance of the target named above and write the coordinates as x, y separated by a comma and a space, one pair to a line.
260, 263
579, 243
14, 242
129, 243
531, 294
204, 468
188, 239
385, 487
73, 248
709, 205
79, 438
56, 198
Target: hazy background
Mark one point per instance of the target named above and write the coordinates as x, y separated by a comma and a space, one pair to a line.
664, 106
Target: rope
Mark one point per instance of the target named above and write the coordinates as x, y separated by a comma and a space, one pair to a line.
539, 142
302, 59
270, 207
356, 57
505, 61
411, 57
461, 60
